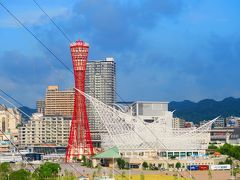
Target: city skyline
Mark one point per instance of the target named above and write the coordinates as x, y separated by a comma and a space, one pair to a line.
168, 50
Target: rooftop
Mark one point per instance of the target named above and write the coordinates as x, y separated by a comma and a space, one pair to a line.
109, 154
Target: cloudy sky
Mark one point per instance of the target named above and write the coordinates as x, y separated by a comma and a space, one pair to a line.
164, 49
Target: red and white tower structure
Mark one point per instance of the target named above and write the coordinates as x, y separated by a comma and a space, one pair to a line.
80, 142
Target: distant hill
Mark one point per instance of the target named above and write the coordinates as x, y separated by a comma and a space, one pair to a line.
203, 110
206, 109
28, 111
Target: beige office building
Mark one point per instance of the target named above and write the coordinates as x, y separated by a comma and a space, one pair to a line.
59, 102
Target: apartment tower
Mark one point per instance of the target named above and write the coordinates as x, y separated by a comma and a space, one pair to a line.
100, 83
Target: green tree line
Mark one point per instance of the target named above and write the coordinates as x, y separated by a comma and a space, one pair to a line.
230, 150
46, 170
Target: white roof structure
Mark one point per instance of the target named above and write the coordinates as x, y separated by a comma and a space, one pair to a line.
131, 133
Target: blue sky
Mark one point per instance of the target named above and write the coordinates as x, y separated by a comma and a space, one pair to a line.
164, 49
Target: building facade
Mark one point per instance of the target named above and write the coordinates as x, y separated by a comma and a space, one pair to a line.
203, 122
40, 105
100, 83
10, 118
45, 130
59, 102
150, 111
219, 123
147, 127
188, 124
233, 121
178, 123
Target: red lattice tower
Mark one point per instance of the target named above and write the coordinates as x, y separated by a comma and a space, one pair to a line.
80, 142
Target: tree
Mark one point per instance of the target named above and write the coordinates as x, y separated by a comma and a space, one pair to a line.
5, 167
230, 150
88, 163
47, 170
18, 125
84, 161
75, 158
178, 165
236, 171
121, 163
144, 165
212, 147
21, 174
5, 170
227, 161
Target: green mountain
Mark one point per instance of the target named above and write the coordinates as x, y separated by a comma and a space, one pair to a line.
192, 111
206, 109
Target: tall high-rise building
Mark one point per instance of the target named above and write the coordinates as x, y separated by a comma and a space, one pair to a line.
40, 104
100, 83
59, 102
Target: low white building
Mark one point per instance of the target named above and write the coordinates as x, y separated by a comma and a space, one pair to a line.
45, 130
151, 111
